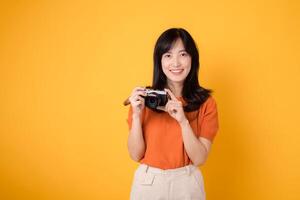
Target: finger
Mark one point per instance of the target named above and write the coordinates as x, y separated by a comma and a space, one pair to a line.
167, 106
170, 108
161, 108
134, 99
138, 98
177, 107
129, 99
173, 107
136, 95
141, 93
135, 90
170, 94
142, 100
172, 111
138, 102
173, 103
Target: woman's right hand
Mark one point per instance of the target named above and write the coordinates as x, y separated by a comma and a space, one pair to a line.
136, 100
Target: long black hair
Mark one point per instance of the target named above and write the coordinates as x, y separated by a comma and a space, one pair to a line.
193, 94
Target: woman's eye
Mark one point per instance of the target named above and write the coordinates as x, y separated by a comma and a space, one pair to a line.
183, 54
167, 55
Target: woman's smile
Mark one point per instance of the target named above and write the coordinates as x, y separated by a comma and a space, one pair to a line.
176, 71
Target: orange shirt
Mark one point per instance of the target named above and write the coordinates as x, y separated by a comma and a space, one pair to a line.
162, 134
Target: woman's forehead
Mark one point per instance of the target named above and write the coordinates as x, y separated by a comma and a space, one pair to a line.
177, 45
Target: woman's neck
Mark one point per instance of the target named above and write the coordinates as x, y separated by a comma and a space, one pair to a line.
176, 88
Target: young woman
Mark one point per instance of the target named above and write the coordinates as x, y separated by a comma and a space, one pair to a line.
170, 142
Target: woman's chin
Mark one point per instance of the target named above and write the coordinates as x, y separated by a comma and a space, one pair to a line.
176, 80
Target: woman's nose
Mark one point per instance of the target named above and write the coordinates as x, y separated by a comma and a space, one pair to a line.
176, 62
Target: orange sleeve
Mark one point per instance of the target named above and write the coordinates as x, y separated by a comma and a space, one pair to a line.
210, 123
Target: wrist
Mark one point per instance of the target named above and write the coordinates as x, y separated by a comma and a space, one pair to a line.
136, 116
184, 122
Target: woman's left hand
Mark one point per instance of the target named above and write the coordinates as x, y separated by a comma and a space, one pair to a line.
174, 107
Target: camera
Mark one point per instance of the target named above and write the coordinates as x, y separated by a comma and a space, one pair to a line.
155, 98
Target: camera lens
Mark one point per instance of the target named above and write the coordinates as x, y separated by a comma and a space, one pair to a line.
152, 101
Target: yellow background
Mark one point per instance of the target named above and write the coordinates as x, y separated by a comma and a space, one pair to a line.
67, 66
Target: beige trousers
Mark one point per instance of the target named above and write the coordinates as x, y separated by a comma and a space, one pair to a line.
185, 183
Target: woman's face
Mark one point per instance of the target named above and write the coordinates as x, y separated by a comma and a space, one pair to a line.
176, 63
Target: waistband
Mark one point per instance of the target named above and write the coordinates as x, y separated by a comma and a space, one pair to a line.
182, 170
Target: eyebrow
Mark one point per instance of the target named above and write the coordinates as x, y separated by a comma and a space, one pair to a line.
179, 51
